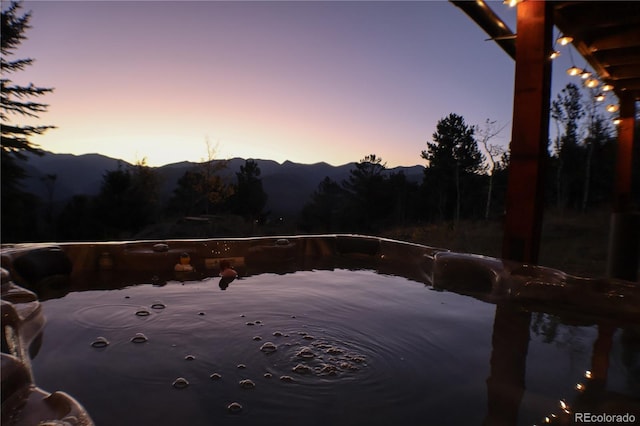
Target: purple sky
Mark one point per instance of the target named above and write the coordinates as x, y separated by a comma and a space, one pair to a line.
300, 81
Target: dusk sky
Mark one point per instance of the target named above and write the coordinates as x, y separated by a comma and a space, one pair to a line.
296, 80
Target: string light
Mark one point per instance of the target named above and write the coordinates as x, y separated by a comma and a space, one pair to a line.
585, 74
600, 97
554, 54
612, 108
607, 87
512, 3
617, 120
592, 83
564, 40
574, 70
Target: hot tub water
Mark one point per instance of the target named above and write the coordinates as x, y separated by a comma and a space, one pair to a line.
339, 347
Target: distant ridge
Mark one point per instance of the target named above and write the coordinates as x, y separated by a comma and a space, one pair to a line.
288, 185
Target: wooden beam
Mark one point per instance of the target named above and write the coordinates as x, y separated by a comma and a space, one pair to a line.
624, 155
530, 132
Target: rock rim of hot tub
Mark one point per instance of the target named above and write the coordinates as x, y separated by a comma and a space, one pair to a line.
490, 279
23, 403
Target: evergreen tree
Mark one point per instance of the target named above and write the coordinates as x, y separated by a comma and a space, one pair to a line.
325, 211
454, 158
567, 111
17, 206
369, 199
249, 198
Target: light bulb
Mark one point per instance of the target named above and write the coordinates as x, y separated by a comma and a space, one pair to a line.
607, 87
600, 97
612, 108
591, 83
564, 40
574, 71
554, 54
585, 74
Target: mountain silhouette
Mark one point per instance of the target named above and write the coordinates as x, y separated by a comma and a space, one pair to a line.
288, 185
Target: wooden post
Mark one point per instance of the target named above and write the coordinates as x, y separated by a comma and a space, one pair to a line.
530, 132
624, 232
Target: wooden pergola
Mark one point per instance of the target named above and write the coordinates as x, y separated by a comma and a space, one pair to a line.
607, 35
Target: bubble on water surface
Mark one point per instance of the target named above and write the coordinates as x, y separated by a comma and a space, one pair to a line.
268, 375
100, 342
257, 338
247, 384
234, 408
143, 313
258, 322
251, 323
287, 379
268, 347
308, 337
189, 358
241, 366
180, 383
215, 376
302, 369
201, 313
277, 333
305, 352
158, 305
139, 338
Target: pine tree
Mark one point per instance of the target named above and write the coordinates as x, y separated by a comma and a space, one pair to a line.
15, 140
453, 157
17, 99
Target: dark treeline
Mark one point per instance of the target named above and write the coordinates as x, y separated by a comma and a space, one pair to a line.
465, 178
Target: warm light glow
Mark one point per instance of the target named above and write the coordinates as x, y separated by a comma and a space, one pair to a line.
580, 387
585, 74
591, 83
612, 108
574, 71
587, 374
563, 405
512, 3
600, 97
607, 88
617, 121
564, 40
554, 54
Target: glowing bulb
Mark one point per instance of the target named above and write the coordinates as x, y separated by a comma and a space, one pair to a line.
574, 71
587, 374
617, 121
563, 405
591, 83
512, 3
607, 88
564, 40
554, 54
600, 97
612, 108
585, 74
580, 387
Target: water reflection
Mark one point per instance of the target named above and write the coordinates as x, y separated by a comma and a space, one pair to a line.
506, 382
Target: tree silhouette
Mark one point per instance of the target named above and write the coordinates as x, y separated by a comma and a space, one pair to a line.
249, 198
325, 211
368, 197
453, 159
494, 155
567, 110
16, 100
